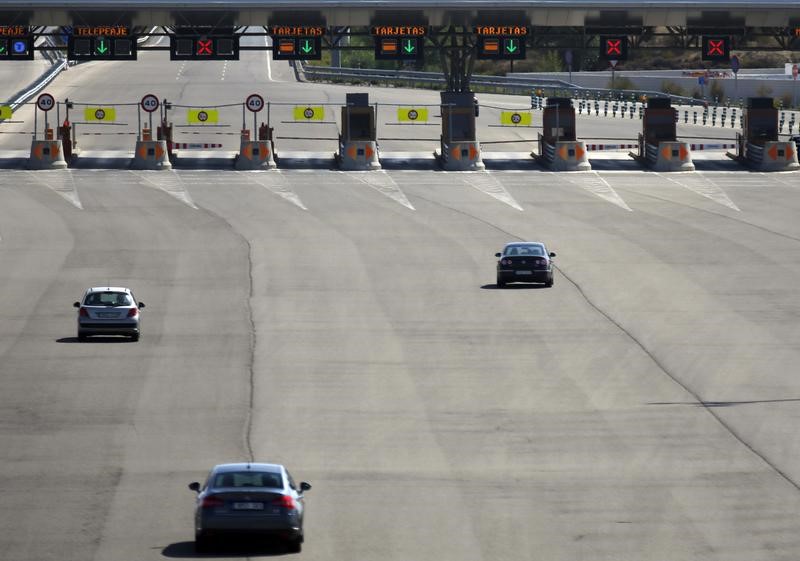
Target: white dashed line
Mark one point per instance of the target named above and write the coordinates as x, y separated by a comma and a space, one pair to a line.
484, 182
383, 183
702, 186
596, 185
276, 182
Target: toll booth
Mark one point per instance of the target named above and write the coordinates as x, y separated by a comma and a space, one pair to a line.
757, 145
559, 148
659, 147
459, 149
358, 145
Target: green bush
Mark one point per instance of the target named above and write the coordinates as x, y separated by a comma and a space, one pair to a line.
672, 88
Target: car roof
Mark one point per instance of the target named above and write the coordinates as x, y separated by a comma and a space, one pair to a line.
524, 243
243, 466
108, 289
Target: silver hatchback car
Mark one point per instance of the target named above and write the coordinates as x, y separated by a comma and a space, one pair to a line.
108, 310
249, 499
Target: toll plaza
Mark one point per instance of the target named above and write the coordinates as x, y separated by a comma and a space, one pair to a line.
659, 147
358, 145
757, 146
459, 148
559, 148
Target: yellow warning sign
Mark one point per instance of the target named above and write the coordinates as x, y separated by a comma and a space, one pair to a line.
516, 118
309, 113
202, 116
6, 112
412, 114
100, 114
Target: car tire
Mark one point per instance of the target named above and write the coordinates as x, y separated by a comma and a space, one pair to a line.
135, 337
294, 546
81, 336
548, 283
500, 283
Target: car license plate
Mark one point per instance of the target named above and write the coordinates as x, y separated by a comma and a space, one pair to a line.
248, 506
107, 314
524, 272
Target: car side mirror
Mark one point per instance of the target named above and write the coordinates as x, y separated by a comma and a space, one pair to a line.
194, 486
304, 486
76, 305
497, 254
552, 254
141, 304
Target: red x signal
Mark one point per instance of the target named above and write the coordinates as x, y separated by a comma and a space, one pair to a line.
716, 47
613, 47
204, 47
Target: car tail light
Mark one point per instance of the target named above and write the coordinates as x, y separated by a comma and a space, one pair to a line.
133, 312
285, 501
212, 502
84, 313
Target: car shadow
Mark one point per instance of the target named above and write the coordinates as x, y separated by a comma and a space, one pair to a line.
242, 547
95, 340
513, 287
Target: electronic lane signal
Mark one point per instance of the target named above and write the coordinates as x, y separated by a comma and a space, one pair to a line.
192, 46
717, 49
500, 42
16, 43
297, 42
101, 42
399, 42
614, 47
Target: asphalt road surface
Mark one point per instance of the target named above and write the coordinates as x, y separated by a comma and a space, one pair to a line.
348, 325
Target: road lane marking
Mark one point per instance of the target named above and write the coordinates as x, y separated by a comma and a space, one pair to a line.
596, 185
60, 181
383, 183
702, 186
168, 181
276, 182
486, 183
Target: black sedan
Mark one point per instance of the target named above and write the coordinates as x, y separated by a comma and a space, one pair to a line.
525, 262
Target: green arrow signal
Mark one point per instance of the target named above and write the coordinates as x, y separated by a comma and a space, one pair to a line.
2, 49
409, 46
510, 46
102, 49
306, 48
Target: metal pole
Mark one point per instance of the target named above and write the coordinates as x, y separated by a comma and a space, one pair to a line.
268, 114
35, 120
139, 121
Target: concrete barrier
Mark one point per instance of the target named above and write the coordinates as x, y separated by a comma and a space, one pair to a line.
670, 156
775, 156
255, 154
47, 154
566, 155
461, 156
151, 154
358, 155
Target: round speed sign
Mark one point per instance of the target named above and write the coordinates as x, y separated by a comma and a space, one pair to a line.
149, 103
45, 102
254, 103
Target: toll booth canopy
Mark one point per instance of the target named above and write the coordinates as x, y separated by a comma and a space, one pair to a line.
659, 121
558, 120
358, 118
760, 120
458, 116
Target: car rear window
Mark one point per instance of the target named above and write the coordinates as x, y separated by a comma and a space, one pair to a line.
249, 479
108, 299
535, 250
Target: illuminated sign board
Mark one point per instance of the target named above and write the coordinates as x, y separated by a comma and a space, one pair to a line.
297, 42
717, 49
101, 42
614, 47
194, 46
503, 42
399, 42
16, 43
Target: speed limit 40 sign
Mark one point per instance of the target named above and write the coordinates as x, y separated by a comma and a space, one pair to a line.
254, 103
45, 102
149, 103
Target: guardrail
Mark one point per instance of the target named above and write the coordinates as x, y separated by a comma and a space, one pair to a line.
512, 84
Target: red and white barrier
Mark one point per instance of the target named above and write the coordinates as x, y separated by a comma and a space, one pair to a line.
610, 147
712, 146
193, 145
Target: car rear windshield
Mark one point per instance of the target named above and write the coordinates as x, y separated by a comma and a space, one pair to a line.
535, 250
249, 479
108, 299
